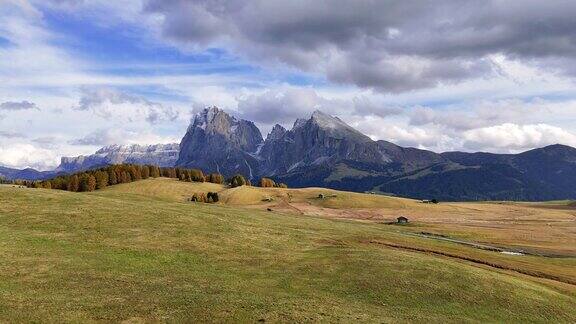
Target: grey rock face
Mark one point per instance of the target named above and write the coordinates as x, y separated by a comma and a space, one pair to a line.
158, 154
216, 141
322, 139
277, 132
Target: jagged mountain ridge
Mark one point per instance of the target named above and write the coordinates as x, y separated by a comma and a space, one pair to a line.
220, 142
325, 151
322, 139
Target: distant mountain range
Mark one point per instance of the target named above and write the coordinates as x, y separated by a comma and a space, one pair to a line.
325, 151
164, 155
26, 174
158, 154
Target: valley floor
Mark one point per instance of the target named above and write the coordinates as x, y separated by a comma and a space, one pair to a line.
140, 252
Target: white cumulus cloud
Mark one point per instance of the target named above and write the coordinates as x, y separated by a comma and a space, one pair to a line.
112, 103
509, 136
22, 155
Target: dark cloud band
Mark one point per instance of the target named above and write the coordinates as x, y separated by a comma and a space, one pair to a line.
390, 46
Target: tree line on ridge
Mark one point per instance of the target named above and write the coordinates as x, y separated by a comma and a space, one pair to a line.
101, 178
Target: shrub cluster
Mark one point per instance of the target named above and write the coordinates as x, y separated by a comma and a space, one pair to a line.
211, 197
239, 180
215, 178
269, 183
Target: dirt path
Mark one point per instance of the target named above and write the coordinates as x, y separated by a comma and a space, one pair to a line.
536, 274
467, 243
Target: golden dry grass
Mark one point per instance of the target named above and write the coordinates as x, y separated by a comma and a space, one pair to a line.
548, 228
165, 188
534, 228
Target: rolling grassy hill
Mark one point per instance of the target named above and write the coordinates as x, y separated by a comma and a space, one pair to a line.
140, 252
171, 189
545, 228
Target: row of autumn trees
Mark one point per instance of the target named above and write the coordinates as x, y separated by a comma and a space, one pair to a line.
196, 175
123, 173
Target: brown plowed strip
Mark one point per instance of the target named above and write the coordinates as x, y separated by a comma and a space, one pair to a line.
536, 274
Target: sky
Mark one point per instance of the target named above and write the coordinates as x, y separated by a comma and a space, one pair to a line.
469, 75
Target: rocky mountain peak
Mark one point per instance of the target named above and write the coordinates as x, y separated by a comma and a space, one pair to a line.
322, 119
277, 132
299, 123
320, 140
213, 119
336, 128
216, 141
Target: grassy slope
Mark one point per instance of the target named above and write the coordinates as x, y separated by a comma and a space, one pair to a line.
547, 228
170, 189
165, 188
117, 255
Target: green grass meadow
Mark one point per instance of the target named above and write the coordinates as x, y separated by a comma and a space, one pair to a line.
113, 256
